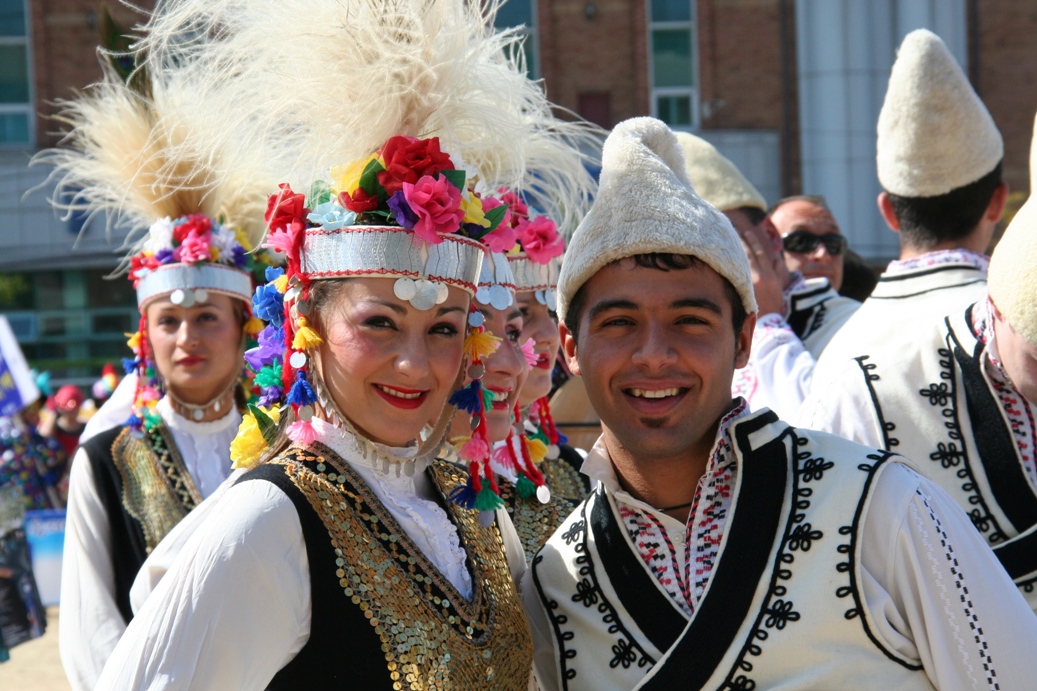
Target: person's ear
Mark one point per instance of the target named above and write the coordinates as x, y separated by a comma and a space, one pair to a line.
744, 341
569, 349
888, 214
998, 200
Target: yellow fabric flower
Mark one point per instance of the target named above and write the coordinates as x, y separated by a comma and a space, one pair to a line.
242, 238
249, 445
473, 211
347, 178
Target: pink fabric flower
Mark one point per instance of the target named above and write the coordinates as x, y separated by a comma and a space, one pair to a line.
517, 209
503, 237
437, 204
195, 247
540, 240
281, 240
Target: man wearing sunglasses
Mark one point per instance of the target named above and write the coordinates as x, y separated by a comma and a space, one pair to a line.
939, 163
810, 237
799, 313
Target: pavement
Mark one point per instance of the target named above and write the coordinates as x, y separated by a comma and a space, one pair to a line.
35, 665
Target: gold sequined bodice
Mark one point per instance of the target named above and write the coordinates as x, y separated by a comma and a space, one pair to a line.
157, 489
431, 636
535, 522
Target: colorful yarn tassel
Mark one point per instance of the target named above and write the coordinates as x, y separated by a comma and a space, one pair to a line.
305, 337
302, 433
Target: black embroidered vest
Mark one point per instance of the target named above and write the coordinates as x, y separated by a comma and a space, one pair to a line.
145, 490
382, 616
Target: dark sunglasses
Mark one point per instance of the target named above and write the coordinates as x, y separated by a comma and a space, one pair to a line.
802, 242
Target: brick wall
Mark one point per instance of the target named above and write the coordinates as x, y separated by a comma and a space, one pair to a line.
1005, 76
65, 36
595, 47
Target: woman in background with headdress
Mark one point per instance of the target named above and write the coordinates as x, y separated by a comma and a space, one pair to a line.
540, 480
131, 158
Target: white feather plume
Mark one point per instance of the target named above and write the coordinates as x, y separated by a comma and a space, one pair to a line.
139, 157
320, 83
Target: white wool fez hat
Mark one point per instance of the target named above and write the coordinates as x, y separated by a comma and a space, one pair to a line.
715, 178
934, 133
1012, 278
646, 204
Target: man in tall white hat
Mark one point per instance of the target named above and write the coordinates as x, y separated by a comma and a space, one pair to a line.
797, 316
961, 400
723, 548
939, 164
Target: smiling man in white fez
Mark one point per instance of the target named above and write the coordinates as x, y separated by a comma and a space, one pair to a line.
723, 548
939, 164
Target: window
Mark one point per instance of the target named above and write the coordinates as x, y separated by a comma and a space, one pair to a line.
521, 13
16, 121
673, 72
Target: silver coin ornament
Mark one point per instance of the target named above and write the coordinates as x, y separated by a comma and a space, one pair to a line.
543, 494
539, 295
442, 293
476, 319
483, 295
426, 295
198, 414
404, 288
553, 451
475, 422
177, 297
201, 294
306, 413
188, 300
304, 307
551, 296
476, 371
408, 469
297, 360
292, 293
500, 297
486, 518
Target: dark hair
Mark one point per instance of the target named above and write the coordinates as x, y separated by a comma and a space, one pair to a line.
928, 221
815, 199
754, 214
661, 262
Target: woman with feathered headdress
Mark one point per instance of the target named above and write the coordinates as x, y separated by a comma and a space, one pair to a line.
348, 554
129, 154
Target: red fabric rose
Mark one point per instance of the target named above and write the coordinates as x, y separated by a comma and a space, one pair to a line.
406, 159
286, 208
540, 240
359, 202
199, 223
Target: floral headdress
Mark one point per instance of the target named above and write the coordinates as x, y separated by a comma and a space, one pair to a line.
185, 260
534, 251
405, 212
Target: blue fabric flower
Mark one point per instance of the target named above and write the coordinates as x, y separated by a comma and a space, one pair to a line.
164, 256
273, 273
240, 257
331, 216
268, 304
401, 211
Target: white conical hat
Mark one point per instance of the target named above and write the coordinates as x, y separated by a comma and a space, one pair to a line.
646, 204
715, 178
935, 134
1011, 279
